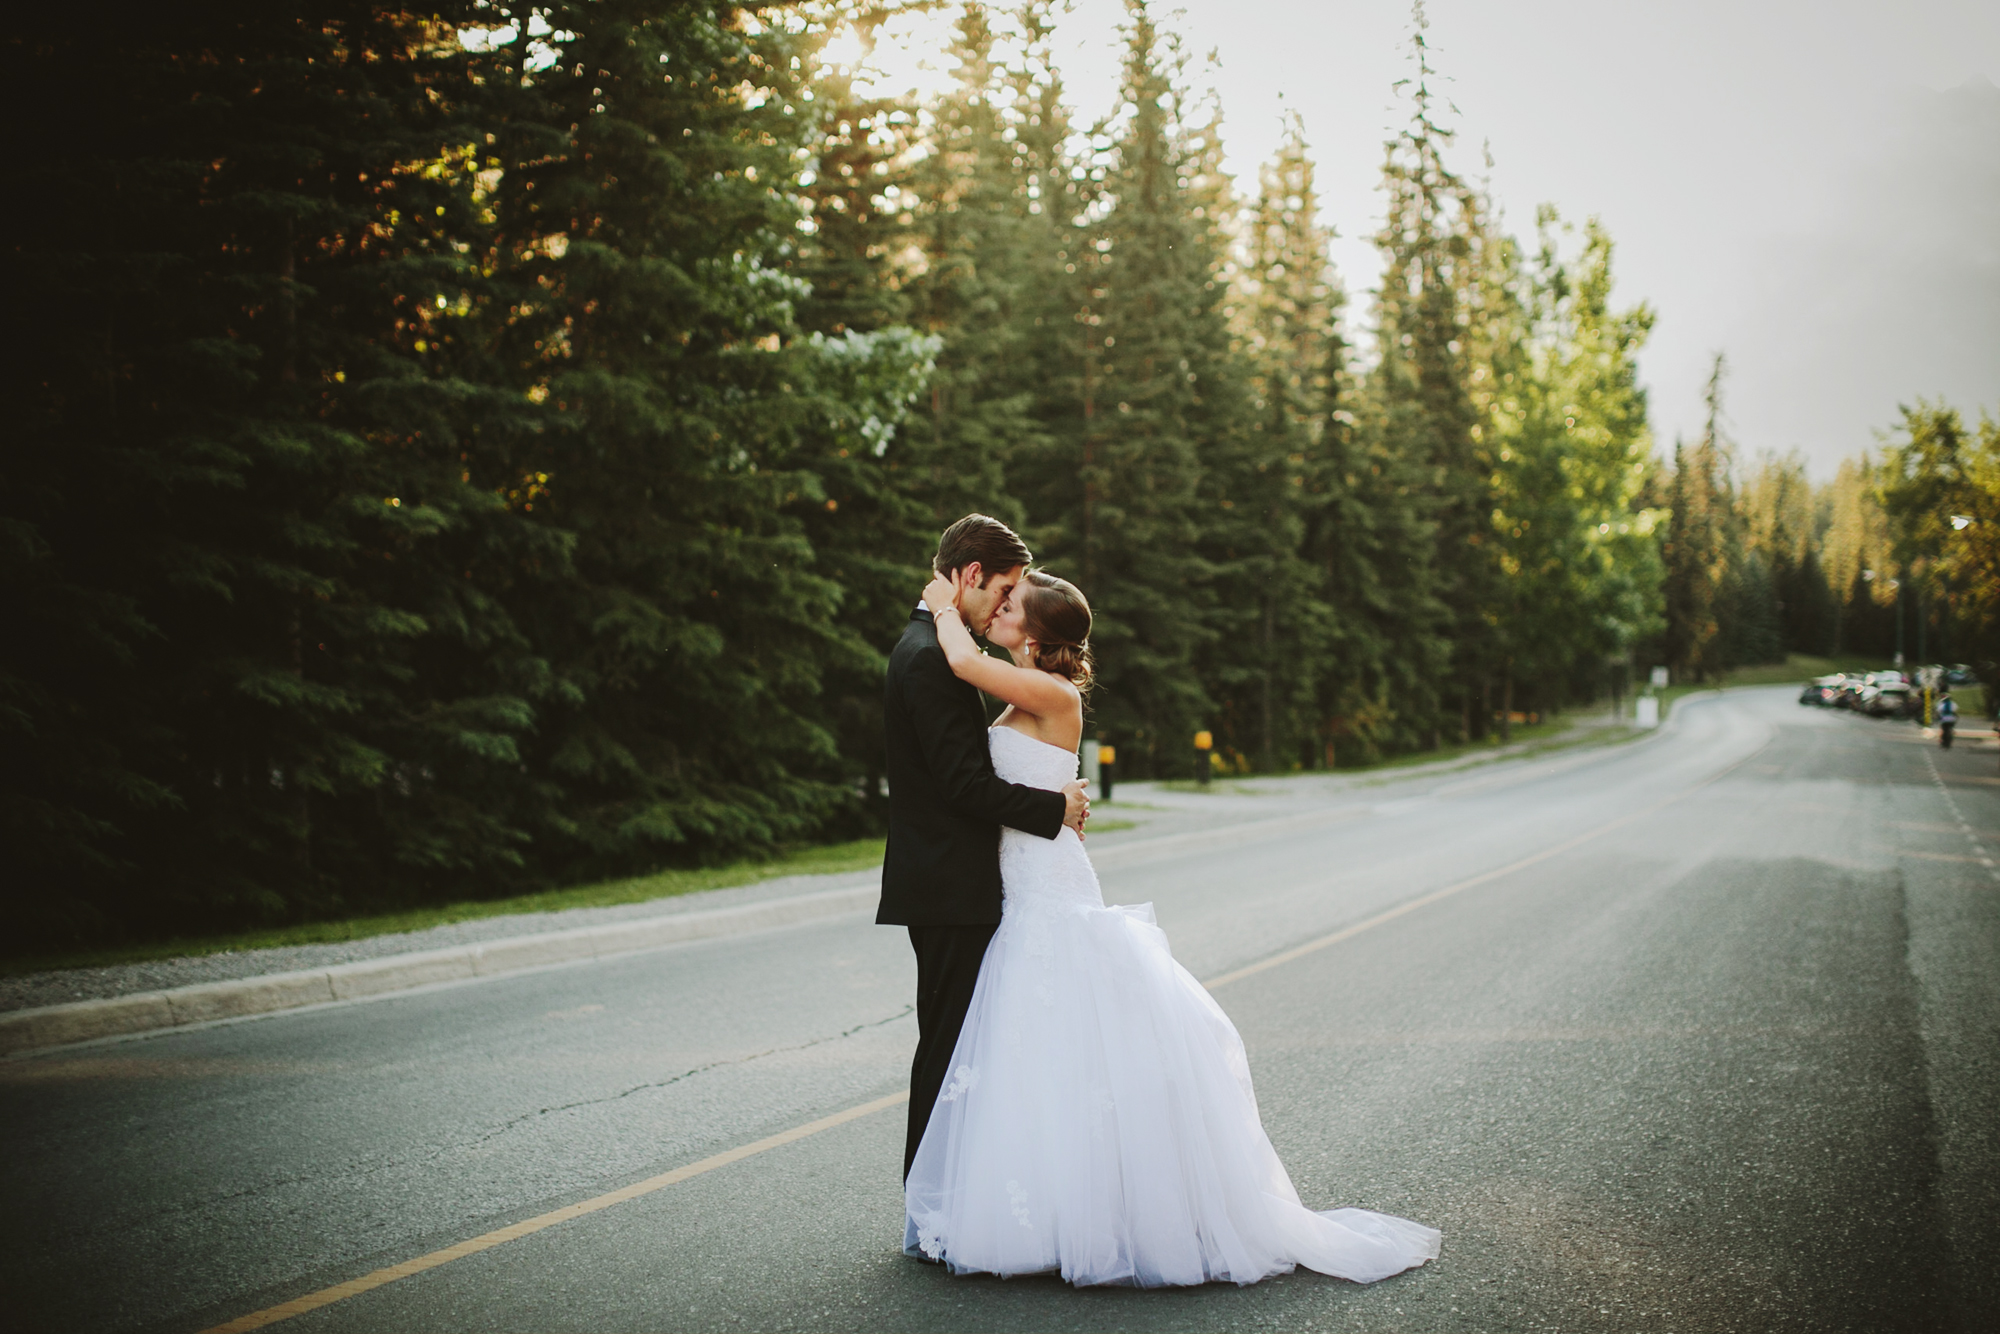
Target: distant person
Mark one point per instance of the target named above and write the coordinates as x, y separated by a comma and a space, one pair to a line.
1947, 718
1099, 1121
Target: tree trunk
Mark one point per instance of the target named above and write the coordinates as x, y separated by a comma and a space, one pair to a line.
288, 309
295, 788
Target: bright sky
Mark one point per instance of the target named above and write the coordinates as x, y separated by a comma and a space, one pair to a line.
1811, 187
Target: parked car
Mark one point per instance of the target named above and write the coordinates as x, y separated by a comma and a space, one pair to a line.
1958, 674
1891, 699
1822, 691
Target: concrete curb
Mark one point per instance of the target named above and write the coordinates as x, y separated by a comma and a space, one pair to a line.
146, 1011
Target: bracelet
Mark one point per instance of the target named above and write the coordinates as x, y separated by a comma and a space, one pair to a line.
942, 610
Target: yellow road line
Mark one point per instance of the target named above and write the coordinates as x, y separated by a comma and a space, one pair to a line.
340, 1292
1348, 933
1933, 856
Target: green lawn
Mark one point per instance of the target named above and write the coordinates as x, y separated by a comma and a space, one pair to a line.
1798, 668
1527, 740
860, 855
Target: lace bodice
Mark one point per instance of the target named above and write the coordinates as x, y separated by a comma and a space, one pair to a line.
1035, 870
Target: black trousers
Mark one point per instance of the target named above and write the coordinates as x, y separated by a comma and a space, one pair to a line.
1944, 734
948, 959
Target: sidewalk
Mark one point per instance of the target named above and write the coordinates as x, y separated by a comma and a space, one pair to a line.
41, 1010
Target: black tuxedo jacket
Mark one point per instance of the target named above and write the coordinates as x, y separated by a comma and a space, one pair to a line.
946, 805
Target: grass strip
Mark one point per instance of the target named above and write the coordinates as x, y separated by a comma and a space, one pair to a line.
1527, 739
860, 855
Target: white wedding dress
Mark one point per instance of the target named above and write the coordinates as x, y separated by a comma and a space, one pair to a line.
1099, 1119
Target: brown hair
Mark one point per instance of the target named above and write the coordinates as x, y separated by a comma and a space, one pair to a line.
1057, 618
977, 537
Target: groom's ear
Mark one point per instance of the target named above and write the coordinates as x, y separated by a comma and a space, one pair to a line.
969, 575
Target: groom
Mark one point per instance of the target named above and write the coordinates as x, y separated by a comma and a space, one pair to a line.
941, 875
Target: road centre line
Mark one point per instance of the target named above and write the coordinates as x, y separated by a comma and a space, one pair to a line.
514, 1232
1348, 933
340, 1292
1218, 836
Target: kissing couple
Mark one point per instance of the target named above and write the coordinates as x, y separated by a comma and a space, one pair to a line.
1079, 1104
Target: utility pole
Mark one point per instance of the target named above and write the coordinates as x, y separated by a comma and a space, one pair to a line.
1899, 623
1923, 654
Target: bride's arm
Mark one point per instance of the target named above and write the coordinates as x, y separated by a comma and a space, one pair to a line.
1027, 689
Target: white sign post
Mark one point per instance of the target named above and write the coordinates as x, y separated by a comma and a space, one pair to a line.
1646, 708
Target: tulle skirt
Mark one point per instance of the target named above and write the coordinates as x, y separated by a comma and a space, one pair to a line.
1099, 1122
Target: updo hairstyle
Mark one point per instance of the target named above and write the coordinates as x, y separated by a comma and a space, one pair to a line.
1057, 618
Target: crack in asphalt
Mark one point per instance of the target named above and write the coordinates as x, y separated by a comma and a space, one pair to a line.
506, 1126
360, 1172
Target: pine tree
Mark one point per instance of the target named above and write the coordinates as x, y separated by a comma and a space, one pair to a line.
1361, 522
1275, 483
1781, 514
647, 216
1562, 404
1421, 407
1696, 550
1146, 388
416, 502
245, 473
871, 532
990, 279
1854, 542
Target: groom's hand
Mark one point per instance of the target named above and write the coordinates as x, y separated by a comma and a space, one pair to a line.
1076, 805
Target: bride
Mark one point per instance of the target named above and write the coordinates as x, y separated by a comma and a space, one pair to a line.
1099, 1119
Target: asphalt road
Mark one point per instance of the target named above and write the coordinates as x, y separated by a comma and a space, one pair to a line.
1721, 1052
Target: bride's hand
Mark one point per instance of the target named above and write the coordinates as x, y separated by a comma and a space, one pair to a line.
940, 593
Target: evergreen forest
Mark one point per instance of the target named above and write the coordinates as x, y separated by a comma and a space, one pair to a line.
469, 448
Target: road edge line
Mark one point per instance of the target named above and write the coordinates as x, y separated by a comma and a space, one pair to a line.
137, 1014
